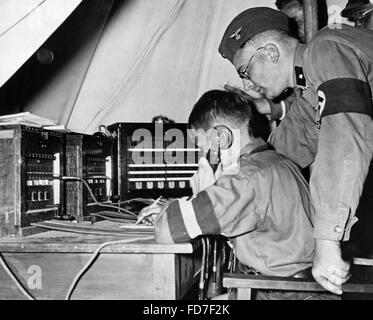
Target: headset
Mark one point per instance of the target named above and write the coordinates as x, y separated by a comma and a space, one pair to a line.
223, 141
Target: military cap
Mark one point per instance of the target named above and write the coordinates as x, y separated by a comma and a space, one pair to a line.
249, 23
352, 6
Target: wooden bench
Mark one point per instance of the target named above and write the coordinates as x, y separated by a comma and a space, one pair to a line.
245, 283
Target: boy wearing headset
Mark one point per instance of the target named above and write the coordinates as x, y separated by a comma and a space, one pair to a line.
256, 197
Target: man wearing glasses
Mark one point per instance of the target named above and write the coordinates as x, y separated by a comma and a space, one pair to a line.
360, 12
329, 125
277, 109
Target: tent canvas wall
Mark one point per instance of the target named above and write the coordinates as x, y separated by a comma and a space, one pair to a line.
118, 60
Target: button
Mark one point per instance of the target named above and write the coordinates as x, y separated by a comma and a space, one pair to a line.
182, 184
149, 185
160, 185
138, 185
338, 229
171, 185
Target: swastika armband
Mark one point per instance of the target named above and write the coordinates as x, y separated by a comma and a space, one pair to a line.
344, 95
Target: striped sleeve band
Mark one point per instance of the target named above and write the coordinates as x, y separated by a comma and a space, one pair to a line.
190, 218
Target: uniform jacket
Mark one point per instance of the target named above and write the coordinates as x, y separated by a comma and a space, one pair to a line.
264, 209
330, 124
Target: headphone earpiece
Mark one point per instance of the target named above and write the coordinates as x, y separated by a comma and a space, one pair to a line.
225, 137
221, 139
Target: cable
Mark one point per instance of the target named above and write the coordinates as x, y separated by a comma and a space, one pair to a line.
143, 200
231, 264
214, 265
75, 281
114, 214
114, 207
94, 197
99, 177
15, 279
109, 218
106, 216
103, 177
146, 201
202, 275
207, 258
162, 202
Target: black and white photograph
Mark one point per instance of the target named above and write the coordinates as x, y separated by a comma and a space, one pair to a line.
186, 155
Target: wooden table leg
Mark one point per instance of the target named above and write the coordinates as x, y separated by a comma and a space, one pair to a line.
243, 293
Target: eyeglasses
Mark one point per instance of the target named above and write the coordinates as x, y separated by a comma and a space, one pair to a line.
244, 73
360, 15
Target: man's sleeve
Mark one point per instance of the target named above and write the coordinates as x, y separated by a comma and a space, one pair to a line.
345, 142
227, 208
296, 135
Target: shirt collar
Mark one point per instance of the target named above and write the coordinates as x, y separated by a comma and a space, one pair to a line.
252, 145
245, 152
298, 57
298, 63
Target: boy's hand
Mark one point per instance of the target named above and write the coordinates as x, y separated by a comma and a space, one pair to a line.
149, 214
205, 176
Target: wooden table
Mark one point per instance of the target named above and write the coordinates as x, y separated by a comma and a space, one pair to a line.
47, 263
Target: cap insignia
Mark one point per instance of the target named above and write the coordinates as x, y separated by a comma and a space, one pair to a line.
236, 35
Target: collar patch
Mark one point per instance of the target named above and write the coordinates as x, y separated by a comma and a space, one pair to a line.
301, 81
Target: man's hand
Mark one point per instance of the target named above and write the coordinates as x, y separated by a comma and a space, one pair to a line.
205, 176
261, 104
248, 94
329, 270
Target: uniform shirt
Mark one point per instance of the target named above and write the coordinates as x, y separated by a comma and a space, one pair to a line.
330, 124
264, 209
